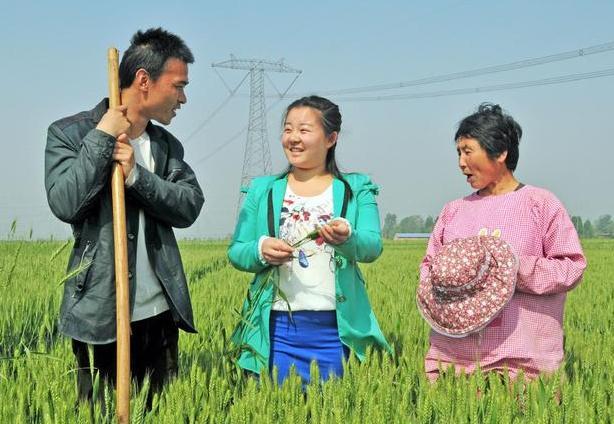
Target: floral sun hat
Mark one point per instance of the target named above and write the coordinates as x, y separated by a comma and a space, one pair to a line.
469, 282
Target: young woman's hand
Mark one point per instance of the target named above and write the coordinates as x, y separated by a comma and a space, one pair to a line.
276, 251
335, 232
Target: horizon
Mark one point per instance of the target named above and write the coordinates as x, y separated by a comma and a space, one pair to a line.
346, 49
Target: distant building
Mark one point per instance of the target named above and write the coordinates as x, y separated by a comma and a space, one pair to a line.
408, 236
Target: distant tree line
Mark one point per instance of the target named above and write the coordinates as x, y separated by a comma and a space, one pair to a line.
600, 227
409, 224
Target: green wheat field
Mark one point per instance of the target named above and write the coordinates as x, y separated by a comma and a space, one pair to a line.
37, 376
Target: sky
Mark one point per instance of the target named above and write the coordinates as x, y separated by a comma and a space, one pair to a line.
54, 65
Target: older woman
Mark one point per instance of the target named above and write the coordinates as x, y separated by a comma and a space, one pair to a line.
527, 334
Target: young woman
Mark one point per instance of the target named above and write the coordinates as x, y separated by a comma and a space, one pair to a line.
302, 233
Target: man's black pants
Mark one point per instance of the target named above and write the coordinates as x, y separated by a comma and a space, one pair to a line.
153, 351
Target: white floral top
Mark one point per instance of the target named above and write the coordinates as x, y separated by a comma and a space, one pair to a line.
308, 281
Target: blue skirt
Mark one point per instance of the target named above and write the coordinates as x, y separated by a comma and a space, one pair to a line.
308, 336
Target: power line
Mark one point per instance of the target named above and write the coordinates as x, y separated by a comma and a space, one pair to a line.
596, 49
455, 92
212, 115
229, 141
572, 54
208, 119
483, 89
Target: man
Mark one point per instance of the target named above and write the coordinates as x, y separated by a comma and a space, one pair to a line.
161, 193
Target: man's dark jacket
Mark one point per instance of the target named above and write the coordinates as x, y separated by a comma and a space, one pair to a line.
77, 180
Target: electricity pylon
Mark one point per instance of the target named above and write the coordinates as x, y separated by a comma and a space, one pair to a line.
257, 158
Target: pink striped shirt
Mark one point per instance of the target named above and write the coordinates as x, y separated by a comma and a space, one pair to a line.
528, 334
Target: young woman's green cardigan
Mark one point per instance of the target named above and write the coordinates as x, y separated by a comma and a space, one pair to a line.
358, 327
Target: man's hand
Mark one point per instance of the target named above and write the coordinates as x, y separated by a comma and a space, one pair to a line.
114, 122
335, 232
276, 251
124, 154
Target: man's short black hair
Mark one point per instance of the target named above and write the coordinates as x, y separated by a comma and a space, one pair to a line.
150, 50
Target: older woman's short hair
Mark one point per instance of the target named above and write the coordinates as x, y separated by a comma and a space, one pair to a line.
496, 132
